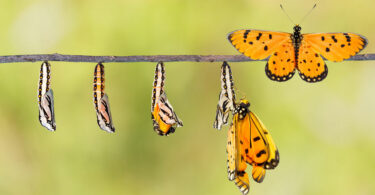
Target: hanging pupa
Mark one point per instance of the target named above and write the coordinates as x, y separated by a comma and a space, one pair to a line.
101, 102
45, 98
226, 98
163, 116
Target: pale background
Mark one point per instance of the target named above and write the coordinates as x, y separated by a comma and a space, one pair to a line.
325, 131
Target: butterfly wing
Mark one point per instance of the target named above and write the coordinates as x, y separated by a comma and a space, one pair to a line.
236, 160
281, 65
46, 111
311, 65
242, 182
257, 44
265, 150
104, 117
167, 113
231, 151
259, 150
258, 173
165, 120
335, 46
226, 97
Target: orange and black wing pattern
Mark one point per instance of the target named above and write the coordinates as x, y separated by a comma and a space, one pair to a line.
332, 46
236, 157
297, 51
163, 116
281, 65
259, 44
335, 47
249, 142
264, 150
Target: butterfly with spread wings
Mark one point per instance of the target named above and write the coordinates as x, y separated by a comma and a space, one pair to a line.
296, 51
164, 119
249, 142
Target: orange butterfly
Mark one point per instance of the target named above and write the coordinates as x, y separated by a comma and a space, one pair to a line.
297, 51
249, 142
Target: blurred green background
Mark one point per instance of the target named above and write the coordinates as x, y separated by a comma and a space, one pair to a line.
325, 132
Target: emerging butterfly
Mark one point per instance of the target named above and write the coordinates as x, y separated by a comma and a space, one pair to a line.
226, 98
45, 98
297, 51
101, 102
249, 142
163, 116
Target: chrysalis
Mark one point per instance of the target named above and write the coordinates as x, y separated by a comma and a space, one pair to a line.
45, 98
101, 102
226, 98
163, 116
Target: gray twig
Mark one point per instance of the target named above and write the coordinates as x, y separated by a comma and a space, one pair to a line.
155, 58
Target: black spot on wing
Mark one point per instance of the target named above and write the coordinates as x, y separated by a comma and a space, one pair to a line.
334, 38
348, 38
274, 77
245, 35
318, 78
260, 153
273, 162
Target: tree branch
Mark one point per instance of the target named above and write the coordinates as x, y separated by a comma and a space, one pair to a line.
155, 58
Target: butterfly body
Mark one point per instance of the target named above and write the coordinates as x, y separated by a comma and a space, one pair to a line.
303, 52
296, 40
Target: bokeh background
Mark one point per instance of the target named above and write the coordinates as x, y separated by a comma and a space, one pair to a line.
325, 131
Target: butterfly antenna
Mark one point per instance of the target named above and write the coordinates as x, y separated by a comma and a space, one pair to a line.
282, 8
308, 13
